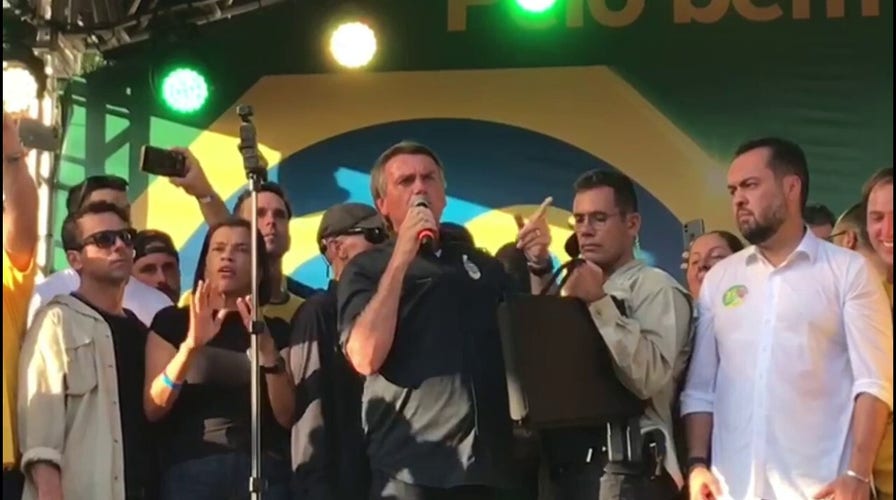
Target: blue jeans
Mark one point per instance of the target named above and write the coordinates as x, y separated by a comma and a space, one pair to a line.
13, 482
224, 477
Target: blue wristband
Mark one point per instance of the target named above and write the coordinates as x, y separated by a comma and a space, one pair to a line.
170, 383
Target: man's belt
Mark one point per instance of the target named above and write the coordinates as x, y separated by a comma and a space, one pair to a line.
620, 445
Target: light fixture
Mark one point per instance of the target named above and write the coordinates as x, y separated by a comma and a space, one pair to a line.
535, 6
24, 75
184, 89
180, 80
20, 89
353, 44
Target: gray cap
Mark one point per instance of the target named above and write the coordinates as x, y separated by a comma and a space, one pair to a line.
339, 219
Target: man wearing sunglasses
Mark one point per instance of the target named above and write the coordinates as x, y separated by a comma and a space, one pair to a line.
81, 422
327, 441
145, 301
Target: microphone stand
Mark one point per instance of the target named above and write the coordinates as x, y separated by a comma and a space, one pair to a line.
256, 173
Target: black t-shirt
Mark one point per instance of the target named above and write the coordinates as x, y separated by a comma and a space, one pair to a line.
333, 436
212, 412
436, 414
129, 340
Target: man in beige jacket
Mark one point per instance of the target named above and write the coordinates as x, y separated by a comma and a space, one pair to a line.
82, 431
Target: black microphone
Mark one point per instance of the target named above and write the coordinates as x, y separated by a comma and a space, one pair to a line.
427, 237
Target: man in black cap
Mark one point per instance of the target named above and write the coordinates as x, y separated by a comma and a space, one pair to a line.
157, 262
329, 459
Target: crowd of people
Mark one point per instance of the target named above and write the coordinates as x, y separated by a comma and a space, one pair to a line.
767, 375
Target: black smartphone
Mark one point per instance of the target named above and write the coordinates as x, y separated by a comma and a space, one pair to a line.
692, 230
36, 135
163, 162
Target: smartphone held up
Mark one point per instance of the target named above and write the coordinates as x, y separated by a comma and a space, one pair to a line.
164, 162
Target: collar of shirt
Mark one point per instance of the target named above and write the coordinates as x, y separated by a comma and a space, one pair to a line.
808, 248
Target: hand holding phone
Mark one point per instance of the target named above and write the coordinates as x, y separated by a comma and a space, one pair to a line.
36, 135
162, 162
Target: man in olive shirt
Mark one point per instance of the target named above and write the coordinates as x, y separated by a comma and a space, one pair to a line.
650, 347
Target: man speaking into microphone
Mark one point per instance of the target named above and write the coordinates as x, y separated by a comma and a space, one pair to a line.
419, 320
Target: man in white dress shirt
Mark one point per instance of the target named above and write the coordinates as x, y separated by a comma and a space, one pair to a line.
791, 381
143, 300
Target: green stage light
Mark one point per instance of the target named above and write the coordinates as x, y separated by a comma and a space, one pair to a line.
184, 89
535, 6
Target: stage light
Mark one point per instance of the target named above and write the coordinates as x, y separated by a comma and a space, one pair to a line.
184, 89
20, 87
353, 44
535, 6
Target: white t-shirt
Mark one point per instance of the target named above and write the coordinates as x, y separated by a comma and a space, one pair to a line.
143, 300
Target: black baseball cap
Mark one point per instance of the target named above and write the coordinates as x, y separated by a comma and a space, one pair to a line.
82, 190
342, 218
150, 241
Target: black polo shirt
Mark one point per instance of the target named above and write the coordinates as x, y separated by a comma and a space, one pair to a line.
436, 414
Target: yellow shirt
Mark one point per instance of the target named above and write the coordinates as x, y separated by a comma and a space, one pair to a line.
883, 466
17, 287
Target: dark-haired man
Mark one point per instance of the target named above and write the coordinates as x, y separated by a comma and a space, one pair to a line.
820, 220
792, 380
157, 262
649, 344
145, 301
80, 412
274, 214
327, 440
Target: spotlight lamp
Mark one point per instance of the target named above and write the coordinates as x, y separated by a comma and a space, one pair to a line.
353, 44
24, 79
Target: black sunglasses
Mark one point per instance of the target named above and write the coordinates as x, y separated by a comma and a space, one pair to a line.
107, 239
373, 235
